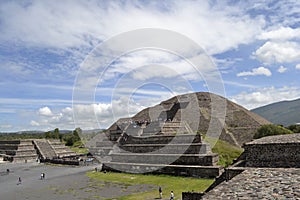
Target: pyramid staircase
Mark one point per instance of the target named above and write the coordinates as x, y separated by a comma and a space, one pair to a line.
51, 149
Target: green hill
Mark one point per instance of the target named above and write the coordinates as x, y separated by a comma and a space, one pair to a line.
284, 112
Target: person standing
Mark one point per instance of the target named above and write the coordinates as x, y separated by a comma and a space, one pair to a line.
172, 196
160, 192
19, 181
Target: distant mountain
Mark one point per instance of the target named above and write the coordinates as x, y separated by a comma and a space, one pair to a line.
283, 112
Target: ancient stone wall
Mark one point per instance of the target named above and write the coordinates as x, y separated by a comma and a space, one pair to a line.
272, 155
273, 151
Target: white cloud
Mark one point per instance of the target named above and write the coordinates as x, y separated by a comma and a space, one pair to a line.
297, 66
34, 123
45, 111
98, 115
282, 69
84, 23
256, 71
281, 33
280, 52
264, 96
6, 126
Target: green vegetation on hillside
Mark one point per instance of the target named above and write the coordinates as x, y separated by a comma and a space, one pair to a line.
271, 129
284, 112
295, 128
168, 183
227, 152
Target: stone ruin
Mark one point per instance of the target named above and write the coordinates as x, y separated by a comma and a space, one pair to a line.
162, 144
166, 138
33, 150
164, 155
269, 168
18, 151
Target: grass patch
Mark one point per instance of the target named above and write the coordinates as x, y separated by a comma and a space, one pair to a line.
79, 150
168, 183
227, 152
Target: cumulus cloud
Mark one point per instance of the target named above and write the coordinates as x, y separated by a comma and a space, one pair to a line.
281, 33
280, 52
297, 66
282, 69
45, 111
264, 96
256, 71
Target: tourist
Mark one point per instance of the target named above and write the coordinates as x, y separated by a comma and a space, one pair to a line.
42, 176
19, 181
172, 196
160, 192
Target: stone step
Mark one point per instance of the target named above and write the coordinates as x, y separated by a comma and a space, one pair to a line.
177, 159
7, 142
24, 148
27, 158
178, 170
104, 144
194, 148
164, 139
104, 151
8, 147
29, 151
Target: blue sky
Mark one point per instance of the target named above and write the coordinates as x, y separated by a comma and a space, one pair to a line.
44, 45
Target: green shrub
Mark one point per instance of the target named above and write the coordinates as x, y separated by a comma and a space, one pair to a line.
295, 128
271, 129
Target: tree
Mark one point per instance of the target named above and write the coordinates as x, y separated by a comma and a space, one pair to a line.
295, 128
73, 138
271, 129
56, 133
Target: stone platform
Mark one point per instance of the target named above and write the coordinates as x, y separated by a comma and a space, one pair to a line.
18, 150
183, 155
177, 170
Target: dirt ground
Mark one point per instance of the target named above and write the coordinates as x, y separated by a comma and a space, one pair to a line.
61, 182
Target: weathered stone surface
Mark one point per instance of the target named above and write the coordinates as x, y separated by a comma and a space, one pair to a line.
260, 183
273, 151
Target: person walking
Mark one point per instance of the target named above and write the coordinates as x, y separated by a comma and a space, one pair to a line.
160, 192
172, 197
19, 181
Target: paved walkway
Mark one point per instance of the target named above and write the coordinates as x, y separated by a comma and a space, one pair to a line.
32, 187
61, 182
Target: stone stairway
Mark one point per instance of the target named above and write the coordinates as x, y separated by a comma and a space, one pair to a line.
45, 149
50, 149
164, 154
60, 149
18, 150
174, 127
